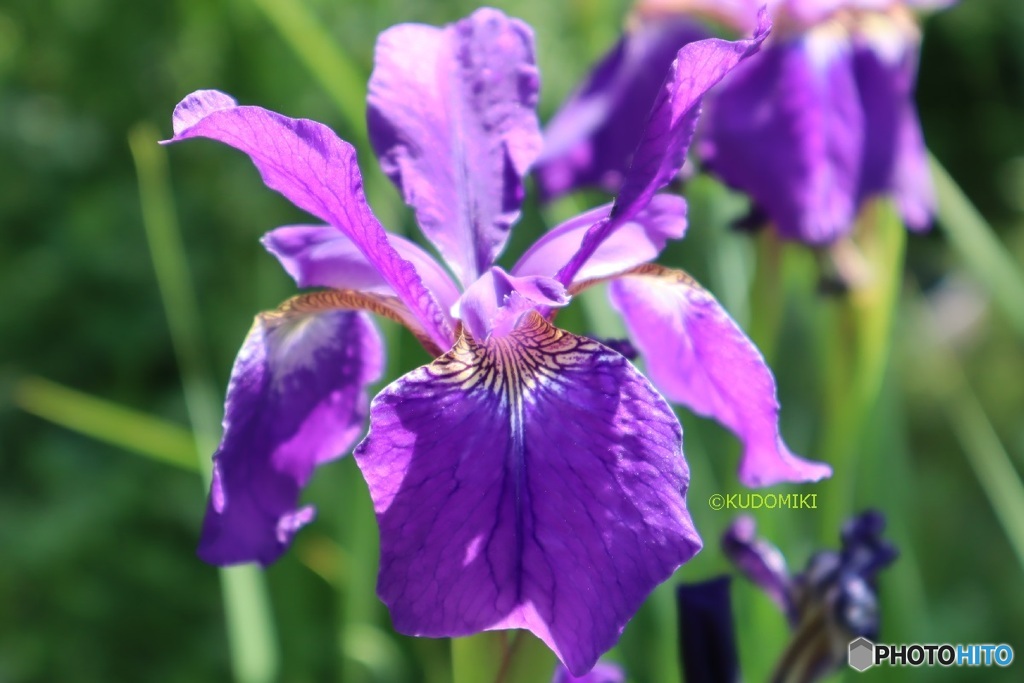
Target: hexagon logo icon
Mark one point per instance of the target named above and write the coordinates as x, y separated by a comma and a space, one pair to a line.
862, 654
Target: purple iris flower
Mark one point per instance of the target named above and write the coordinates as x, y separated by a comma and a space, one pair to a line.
830, 603
528, 477
822, 120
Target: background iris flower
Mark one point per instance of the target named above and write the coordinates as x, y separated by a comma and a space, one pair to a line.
528, 477
832, 602
822, 120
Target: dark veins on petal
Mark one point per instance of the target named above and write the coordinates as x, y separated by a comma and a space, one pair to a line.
532, 481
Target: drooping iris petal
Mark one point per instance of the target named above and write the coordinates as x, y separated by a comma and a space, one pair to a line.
451, 115
535, 481
307, 163
788, 129
297, 398
320, 256
895, 158
591, 140
602, 673
637, 241
662, 149
761, 562
496, 301
912, 183
697, 355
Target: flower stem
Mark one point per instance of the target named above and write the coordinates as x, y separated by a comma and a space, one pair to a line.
497, 656
857, 336
511, 644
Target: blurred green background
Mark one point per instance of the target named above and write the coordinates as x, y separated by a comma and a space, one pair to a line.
98, 575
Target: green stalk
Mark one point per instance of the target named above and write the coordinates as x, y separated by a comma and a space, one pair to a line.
857, 337
985, 452
501, 657
991, 464
976, 243
250, 628
107, 421
767, 294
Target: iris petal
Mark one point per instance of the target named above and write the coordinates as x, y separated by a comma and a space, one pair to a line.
591, 140
670, 125
698, 356
661, 152
638, 241
320, 256
895, 158
451, 115
788, 129
494, 304
307, 163
297, 398
760, 561
535, 481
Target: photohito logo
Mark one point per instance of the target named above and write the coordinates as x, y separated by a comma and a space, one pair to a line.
864, 654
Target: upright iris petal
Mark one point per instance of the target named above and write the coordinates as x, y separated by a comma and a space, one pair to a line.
634, 242
885, 65
321, 256
591, 141
533, 481
451, 115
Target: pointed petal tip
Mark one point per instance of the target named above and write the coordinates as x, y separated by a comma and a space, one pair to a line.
764, 25
197, 106
759, 469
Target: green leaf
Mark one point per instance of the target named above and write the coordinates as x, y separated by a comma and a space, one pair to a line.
977, 244
107, 421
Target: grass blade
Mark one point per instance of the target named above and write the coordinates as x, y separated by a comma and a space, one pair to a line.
107, 421
977, 244
991, 464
